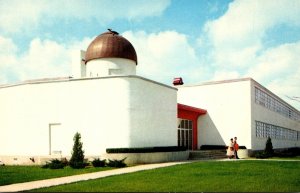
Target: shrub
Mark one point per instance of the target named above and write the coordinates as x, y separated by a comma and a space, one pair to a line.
78, 165
54, 164
98, 163
269, 147
262, 155
77, 159
117, 163
288, 152
268, 152
65, 161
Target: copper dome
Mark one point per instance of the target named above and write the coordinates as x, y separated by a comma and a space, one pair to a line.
110, 45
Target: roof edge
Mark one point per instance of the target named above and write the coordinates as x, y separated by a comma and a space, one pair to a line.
192, 109
67, 79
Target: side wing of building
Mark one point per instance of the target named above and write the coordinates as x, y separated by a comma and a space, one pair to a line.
273, 117
228, 105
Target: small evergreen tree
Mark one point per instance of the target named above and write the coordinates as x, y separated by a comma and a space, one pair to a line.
269, 147
268, 152
77, 159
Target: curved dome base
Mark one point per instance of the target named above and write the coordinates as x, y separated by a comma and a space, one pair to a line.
110, 67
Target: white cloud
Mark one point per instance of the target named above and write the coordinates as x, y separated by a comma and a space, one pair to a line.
44, 59
7, 46
17, 16
8, 59
236, 42
225, 75
165, 55
236, 37
279, 69
161, 57
277, 62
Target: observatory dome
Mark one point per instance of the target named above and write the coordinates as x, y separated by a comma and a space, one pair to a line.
110, 45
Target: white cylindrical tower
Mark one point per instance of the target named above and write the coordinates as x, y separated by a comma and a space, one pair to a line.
110, 54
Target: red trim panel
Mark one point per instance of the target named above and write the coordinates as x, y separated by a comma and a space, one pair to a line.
191, 109
191, 113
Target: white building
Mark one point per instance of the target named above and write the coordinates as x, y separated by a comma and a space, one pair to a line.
245, 109
112, 107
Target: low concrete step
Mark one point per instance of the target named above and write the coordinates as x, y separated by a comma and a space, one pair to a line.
207, 154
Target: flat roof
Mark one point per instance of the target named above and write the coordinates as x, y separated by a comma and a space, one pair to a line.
67, 79
217, 82
240, 80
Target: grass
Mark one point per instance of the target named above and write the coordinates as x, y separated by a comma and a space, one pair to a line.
211, 176
18, 174
285, 158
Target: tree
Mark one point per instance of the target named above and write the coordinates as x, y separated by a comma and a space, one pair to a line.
268, 152
269, 147
77, 159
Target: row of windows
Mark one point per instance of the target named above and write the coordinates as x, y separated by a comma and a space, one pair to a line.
264, 130
273, 104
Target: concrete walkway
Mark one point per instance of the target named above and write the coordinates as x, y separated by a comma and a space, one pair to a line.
82, 177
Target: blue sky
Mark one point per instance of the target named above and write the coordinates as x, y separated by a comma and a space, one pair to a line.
199, 40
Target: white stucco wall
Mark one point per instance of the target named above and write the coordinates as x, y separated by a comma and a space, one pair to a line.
109, 112
232, 111
228, 111
110, 67
263, 114
153, 114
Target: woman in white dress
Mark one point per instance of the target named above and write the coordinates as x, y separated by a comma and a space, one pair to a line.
230, 150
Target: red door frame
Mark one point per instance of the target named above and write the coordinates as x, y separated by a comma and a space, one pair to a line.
191, 113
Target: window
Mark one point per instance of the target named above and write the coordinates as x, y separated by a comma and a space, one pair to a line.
262, 98
265, 130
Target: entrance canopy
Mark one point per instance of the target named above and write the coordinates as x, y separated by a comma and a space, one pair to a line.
192, 114
189, 112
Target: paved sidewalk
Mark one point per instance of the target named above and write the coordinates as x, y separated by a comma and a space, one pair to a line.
82, 177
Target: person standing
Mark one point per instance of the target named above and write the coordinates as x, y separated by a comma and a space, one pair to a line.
230, 149
236, 148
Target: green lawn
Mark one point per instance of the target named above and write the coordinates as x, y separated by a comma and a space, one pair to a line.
17, 174
285, 158
211, 176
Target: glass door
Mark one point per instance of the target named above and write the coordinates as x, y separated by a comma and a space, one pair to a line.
185, 134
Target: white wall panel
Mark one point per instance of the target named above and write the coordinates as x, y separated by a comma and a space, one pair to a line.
109, 112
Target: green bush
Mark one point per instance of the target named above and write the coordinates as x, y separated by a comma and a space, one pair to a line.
77, 159
65, 161
269, 147
288, 152
262, 155
78, 165
54, 164
98, 163
116, 163
268, 152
